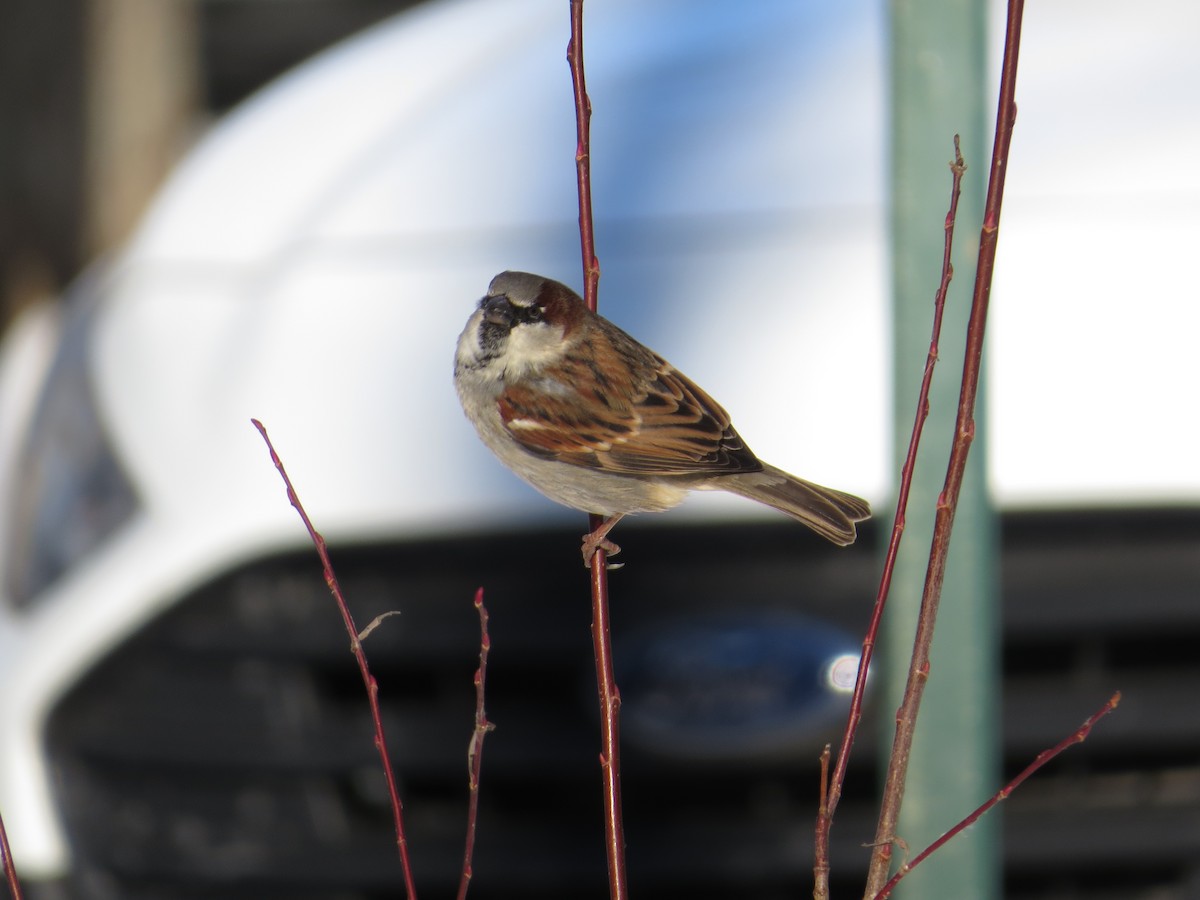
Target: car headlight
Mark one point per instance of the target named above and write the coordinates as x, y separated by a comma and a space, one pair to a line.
747, 685
69, 492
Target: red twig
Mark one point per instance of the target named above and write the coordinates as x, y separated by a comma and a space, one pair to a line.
10, 868
964, 433
1078, 737
610, 733
610, 698
475, 751
825, 818
583, 156
357, 648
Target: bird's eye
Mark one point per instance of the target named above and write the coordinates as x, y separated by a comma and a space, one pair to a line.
528, 315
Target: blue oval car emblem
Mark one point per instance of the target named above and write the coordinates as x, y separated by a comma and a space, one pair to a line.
743, 686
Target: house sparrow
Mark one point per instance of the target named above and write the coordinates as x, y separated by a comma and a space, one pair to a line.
599, 423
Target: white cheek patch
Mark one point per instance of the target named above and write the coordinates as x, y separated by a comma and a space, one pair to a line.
471, 331
530, 347
470, 350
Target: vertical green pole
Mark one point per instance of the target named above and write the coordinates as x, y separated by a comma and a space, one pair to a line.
938, 76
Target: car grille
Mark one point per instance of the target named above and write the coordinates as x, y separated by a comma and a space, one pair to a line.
225, 750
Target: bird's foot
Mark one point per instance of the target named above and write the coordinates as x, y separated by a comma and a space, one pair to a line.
591, 545
597, 539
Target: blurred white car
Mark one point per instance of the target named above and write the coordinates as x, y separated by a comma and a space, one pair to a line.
311, 264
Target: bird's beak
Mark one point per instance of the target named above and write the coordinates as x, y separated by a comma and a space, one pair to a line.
497, 311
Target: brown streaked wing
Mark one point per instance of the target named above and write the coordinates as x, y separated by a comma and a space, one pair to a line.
669, 426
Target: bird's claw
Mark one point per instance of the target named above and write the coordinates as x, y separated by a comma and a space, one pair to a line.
593, 542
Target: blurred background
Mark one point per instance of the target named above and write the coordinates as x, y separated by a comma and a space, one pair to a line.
101, 99
218, 209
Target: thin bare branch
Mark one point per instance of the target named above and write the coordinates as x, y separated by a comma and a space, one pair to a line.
825, 819
10, 868
583, 156
357, 648
475, 751
610, 698
376, 622
821, 856
964, 433
1078, 737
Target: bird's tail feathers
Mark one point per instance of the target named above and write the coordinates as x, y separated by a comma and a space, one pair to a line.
829, 513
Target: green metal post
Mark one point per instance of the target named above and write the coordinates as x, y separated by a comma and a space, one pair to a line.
938, 77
